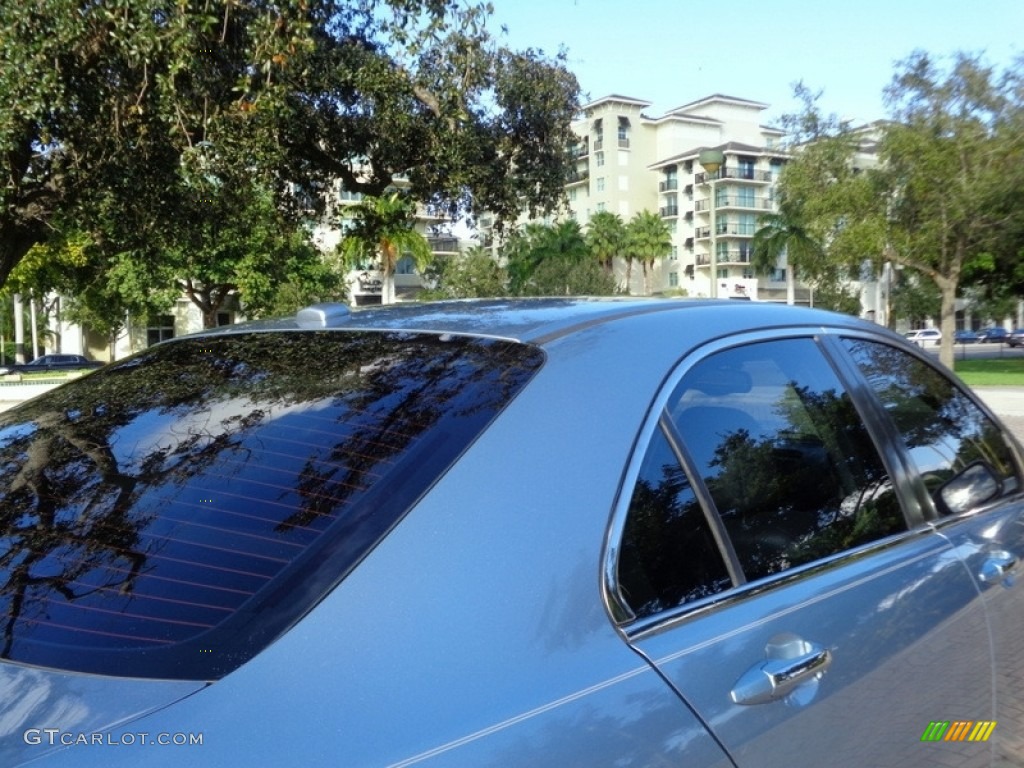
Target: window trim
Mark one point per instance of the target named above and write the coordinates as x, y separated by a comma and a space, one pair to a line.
828, 340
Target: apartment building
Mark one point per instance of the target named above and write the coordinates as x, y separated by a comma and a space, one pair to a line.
627, 162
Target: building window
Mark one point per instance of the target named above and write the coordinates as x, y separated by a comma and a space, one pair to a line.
723, 273
224, 318
746, 165
623, 132
672, 225
160, 328
779, 276
600, 206
599, 161
572, 194
675, 253
600, 184
748, 273
673, 279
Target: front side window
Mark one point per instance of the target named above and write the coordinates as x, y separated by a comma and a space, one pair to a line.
206, 493
944, 431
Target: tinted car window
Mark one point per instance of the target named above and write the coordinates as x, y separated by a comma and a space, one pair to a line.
785, 457
944, 431
172, 514
669, 556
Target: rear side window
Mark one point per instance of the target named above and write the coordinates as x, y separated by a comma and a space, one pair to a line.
942, 428
767, 436
170, 515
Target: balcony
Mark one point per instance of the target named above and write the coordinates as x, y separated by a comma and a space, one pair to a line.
733, 172
734, 256
580, 150
702, 233
598, 145
700, 206
577, 177
734, 229
443, 244
746, 203
668, 185
731, 256
667, 211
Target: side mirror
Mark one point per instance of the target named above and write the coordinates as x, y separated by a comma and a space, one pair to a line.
969, 489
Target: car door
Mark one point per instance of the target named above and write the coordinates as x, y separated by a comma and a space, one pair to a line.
769, 560
971, 485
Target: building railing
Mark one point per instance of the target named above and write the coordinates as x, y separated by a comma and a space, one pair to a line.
736, 201
598, 145
575, 177
443, 244
669, 210
731, 256
668, 185
733, 172
623, 143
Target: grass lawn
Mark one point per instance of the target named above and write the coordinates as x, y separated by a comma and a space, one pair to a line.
1000, 372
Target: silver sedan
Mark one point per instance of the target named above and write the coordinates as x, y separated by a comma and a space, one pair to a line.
533, 533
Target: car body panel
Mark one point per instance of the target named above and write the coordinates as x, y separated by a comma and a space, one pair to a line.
33, 700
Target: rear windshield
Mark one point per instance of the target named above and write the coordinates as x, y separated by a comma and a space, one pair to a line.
170, 515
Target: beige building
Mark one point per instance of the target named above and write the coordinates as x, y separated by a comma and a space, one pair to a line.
627, 162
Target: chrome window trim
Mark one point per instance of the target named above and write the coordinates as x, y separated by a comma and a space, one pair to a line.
668, 620
827, 340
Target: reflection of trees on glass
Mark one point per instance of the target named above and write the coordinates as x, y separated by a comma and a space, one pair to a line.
943, 429
788, 463
668, 554
144, 504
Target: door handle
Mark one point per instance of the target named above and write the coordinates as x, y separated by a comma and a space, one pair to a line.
998, 567
790, 662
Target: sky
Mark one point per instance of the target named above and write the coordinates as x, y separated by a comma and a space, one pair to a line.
671, 52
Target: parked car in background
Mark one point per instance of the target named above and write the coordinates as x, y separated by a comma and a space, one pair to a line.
994, 335
512, 533
53, 362
1016, 338
965, 337
925, 336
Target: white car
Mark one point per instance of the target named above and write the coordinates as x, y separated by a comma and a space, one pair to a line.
924, 336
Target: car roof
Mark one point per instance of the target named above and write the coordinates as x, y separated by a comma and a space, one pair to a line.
538, 320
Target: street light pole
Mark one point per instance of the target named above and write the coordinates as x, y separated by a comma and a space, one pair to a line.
711, 160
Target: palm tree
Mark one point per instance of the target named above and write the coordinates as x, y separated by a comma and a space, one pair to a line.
606, 238
382, 229
784, 234
647, 240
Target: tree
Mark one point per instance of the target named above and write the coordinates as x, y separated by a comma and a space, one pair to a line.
381, 232
606, 238
647, 241
784, 234
939, 203
950, 167
106, 110
545, 260
473, 274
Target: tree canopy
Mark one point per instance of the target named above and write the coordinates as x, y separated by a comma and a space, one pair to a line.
126, 121
942, 200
